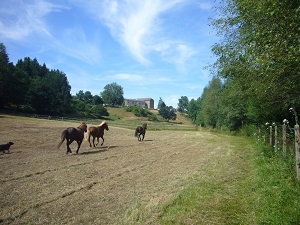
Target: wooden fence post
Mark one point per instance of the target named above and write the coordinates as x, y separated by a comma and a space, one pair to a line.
297, 150
271, 135
284, 139
275, 139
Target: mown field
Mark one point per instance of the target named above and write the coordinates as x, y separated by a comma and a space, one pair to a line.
124, 181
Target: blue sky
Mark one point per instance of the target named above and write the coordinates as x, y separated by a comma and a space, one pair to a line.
152, 48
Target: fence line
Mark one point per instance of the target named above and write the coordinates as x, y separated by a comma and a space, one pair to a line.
289, 141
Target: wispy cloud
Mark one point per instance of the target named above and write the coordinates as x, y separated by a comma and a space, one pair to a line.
19, 20
177, 53
74, 43
133, 78
26, 22
128, 77
135, 24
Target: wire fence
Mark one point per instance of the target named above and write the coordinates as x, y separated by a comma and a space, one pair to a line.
283, 138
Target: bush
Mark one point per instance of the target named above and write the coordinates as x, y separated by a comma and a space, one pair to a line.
138, 111
152, 117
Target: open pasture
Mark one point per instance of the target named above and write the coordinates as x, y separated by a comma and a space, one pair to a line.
122, 182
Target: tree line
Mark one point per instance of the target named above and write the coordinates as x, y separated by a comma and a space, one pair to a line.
257, 71
30, 87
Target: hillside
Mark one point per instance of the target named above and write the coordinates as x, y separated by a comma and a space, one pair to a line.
119, 114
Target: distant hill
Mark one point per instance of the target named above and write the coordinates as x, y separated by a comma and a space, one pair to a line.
121, 114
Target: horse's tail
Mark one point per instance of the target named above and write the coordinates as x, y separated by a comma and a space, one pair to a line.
63, 137
136, 132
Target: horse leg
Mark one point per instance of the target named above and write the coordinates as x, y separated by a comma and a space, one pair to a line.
90, 139
97, 141
143, 137
94, 141
79, 143
68, 146
102, 141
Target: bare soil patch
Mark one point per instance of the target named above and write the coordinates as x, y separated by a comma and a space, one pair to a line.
40, 184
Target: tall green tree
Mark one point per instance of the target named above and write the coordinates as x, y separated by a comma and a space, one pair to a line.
161, 103
167, 112
194, 111
113, 94
86, 96
5, 76
97, 100
13, 82
183, 103
260, 50
210, 109
50, 93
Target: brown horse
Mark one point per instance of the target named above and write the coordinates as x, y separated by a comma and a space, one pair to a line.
97, 132
73, 134
140, 130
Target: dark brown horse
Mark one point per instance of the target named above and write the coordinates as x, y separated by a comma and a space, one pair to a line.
97, 132
140, 130
73, 134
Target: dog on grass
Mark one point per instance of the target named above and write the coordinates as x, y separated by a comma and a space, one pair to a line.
5, 147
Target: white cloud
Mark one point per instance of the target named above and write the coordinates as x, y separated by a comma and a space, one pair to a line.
176, 53
134, 23
74, 43
20, 19
129, 77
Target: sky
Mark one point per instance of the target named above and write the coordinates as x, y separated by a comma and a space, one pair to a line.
152, 48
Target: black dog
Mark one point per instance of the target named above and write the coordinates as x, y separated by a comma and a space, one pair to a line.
6, 147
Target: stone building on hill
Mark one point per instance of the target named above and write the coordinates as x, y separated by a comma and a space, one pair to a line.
143, 102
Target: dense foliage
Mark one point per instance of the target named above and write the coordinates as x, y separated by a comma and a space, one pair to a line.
166, 112
141, 112
113, 94
33, 88
259, 59
257, 66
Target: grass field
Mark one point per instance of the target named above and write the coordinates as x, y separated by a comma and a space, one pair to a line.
173, 177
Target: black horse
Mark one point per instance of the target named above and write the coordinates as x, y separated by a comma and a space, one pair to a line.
73, 134
140, 130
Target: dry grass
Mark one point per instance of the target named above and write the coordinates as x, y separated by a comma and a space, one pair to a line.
123, 182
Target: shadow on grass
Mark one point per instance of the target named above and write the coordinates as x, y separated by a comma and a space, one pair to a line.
98, 150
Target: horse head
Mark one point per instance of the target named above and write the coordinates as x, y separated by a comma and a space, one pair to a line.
145, 126
83, 126
104, 125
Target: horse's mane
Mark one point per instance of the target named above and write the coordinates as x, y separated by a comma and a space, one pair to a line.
101, 124
82, 125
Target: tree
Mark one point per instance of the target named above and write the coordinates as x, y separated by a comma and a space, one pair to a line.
113, 94
5, 81
50, 94
80, 95
167, 112
161, 103
194, 108
211, 102
97, 100
260, 52
183, 104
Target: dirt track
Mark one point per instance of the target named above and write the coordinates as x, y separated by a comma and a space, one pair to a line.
113, 184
